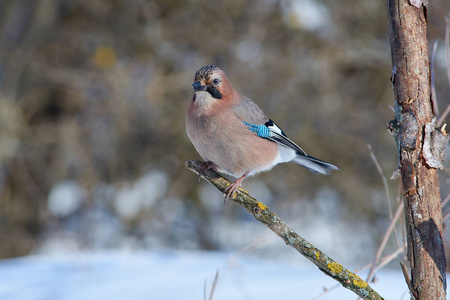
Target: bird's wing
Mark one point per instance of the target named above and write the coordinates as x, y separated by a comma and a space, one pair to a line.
247, 111
253, 117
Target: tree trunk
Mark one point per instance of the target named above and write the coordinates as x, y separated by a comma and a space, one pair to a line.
414, 130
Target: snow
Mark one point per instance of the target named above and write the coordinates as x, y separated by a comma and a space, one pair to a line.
170, 275
65, 198
132, 199
311, 15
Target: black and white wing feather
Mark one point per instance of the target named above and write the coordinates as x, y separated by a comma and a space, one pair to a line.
277, 135
313, 164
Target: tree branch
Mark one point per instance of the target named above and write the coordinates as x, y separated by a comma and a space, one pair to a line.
262, 213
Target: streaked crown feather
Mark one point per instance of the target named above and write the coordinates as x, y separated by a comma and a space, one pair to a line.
205, 72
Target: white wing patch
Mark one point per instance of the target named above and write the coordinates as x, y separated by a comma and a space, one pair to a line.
277, 135
273, 127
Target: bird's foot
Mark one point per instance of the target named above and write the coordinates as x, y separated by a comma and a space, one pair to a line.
205, 166
231, 190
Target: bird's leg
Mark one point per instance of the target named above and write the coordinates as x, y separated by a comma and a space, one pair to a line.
234, 187
205, 166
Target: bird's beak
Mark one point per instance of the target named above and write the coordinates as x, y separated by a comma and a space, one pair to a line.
198, 86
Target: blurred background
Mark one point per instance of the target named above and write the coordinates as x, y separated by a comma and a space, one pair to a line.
93, 98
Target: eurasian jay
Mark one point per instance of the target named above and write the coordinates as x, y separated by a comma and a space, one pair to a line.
234, 136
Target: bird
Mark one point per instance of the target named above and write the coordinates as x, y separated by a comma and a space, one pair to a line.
233, 135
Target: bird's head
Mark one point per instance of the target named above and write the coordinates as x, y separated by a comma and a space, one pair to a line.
212, 82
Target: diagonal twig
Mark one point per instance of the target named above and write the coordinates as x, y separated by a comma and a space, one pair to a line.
445, 201
385, 239
408, 281
447, 60
443, 116
213, 287
383, 178
447, 45
262, 213
433, 86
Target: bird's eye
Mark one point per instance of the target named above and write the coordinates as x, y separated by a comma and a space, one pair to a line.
216, 81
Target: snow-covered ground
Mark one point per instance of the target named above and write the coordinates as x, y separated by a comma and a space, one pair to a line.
174, 275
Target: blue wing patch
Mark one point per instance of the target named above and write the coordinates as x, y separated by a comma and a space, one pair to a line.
272, 132
260, 130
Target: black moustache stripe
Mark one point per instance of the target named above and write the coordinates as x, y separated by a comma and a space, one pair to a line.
214, 92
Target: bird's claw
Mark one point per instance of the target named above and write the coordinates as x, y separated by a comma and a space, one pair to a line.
205, 166
231, 190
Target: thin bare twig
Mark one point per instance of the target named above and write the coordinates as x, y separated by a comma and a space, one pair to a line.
447, 60
213, 287
383, 178
443, 116
445, 201
388, 258
408, 280
262, 213
447, 45
400, 200
433, 89
444, 217
384, 241
393, 220
386, 188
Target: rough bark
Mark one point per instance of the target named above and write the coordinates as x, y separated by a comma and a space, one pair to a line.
262, 213
419, 147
